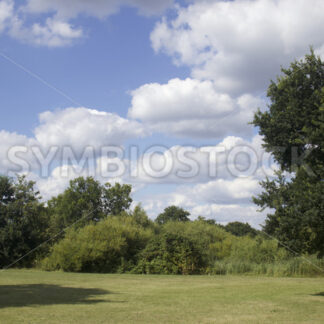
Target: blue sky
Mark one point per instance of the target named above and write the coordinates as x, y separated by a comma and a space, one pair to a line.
185, 75
98, 71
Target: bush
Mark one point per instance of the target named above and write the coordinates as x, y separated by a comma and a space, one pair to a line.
170, 253
111, 245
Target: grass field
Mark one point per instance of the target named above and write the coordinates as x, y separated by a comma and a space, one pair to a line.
56, 297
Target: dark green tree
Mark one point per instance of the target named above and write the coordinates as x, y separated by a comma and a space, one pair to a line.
86, 201
141, 217
174, 214
293, 125
240, 229
293, 131
79, 204
23, 222
116, 198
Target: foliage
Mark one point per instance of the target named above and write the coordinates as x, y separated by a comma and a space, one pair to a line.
111, 245
298, 220
79, 204
23, 221
293, 124
240, 229
174, 214
116, 199
141, 217
86, 201
170, 253
293, 130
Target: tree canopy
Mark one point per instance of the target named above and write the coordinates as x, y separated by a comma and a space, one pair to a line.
173, 213
293, 131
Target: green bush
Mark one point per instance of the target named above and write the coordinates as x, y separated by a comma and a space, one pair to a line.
170, 253
111, 245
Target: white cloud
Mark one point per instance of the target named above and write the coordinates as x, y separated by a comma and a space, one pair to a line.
6, 13
7, 141
234, 158
240, 44
222, 213
193, 108
178, 98
54, 33
239, 190
76, 128
81, 127
57, 30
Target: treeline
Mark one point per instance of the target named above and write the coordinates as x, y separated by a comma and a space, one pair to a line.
89, 228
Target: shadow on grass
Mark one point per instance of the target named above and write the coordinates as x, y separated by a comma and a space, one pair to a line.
319, 294
43, 294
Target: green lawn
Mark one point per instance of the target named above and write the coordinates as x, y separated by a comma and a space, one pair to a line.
56, 297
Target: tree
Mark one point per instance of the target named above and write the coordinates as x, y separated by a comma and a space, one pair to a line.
293, 131
298, 220
240, 229
293, 125
79, 204
141, 217
116, 198
174, 214
23, 221
86, 201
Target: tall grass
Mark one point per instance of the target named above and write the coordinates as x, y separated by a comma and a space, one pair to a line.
297, 266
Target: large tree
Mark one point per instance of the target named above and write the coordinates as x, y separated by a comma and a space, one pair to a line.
23, 222
79, 204
293, 131
86, 200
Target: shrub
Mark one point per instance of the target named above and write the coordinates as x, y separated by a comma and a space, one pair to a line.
170, 253
111, 245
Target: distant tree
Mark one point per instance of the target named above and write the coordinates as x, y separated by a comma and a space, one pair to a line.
140, 216
174, 214
86, 201
208, 221
23, 221
116, 199
240, 229
79, 204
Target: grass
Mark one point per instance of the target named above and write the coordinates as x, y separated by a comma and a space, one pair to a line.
30, 296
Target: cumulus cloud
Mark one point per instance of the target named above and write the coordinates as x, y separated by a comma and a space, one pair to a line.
81, 127
74, 128
231, 159
8, 159
222, 213
57, 30
193, 108
54, 33
240, 45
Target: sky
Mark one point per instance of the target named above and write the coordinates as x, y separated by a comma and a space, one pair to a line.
158, 94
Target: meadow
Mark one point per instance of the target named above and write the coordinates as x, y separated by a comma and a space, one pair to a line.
32, 296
